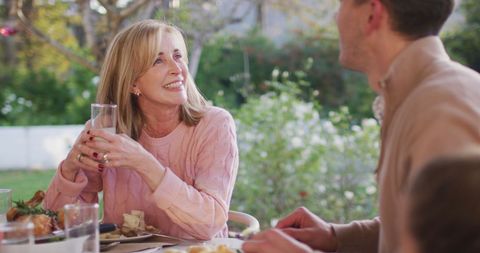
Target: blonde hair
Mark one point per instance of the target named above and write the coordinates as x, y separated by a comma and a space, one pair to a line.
131, 53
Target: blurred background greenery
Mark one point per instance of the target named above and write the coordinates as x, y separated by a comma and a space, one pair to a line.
305, 128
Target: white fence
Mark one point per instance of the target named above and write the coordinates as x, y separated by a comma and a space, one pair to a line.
36, 147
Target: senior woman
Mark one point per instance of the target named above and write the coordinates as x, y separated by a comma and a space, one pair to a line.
174, 157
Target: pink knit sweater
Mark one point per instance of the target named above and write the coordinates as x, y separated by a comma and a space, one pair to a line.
192, 200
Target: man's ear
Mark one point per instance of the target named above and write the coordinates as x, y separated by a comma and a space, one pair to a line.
377, 14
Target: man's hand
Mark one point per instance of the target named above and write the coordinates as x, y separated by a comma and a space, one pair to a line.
306, 227
274, 241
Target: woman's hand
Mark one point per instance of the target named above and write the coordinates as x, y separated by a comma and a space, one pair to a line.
274, 240
308, 228
116, 150
80, 156
122, 152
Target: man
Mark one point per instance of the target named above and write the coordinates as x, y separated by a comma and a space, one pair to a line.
431, 108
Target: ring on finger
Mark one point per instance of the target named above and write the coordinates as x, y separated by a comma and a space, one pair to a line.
105, 157
79, 157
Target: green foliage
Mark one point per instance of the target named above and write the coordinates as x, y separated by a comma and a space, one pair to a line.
234, 68
464, 44
471, 9
39, 97
24, 209
290, 156
57, 22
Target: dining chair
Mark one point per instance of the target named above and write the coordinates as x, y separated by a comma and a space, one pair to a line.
249, 224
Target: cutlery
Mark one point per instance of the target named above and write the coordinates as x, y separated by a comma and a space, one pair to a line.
107, 227
170, 237
105, 247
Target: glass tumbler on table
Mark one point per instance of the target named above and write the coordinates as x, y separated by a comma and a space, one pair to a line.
81, 220
5, 204
13, 234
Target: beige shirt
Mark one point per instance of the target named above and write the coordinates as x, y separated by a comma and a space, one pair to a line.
432, 108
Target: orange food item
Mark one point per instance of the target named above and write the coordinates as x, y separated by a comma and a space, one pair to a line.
43, 224
44, 221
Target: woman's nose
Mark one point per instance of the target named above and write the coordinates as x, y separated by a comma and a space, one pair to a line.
175, 67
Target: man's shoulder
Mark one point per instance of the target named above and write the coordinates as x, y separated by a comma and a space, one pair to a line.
449, 89
448, 70
449, 81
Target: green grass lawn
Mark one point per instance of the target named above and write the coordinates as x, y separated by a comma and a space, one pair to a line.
25, 183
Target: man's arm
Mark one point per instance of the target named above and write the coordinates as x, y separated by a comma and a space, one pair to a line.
358, 236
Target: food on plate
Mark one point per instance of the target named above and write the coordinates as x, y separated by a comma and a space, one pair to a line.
43, 224
204, 249
133, 225
44, 221
111, 235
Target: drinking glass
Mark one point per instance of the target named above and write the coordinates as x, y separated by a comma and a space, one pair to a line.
5, 204
81, 220
16, 233
104, 116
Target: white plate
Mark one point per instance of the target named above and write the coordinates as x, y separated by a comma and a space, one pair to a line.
72, 246
123, 238
232, 243
56, 235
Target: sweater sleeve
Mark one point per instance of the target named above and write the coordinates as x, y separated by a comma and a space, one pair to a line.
358, 236
201, 209
61, 191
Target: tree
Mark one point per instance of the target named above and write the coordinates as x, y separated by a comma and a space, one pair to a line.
464, 44
201, 20
7, 42
312, 14
93, 28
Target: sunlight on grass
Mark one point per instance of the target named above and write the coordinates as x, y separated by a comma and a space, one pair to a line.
25, 183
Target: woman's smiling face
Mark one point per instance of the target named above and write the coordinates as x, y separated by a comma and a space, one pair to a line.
164, 82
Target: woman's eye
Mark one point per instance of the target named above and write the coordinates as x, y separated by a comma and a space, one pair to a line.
157, 61
178, 56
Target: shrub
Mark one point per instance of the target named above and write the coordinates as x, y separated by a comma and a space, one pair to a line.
41, 98
290, 156
233, 68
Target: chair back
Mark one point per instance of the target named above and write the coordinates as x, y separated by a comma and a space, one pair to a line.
251, 224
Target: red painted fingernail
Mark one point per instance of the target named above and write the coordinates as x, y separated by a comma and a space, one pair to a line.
101, 166
91, 138
95, 154
88, 132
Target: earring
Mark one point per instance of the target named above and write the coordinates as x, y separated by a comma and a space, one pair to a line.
136, 90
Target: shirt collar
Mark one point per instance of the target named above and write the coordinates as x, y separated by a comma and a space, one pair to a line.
408, 69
